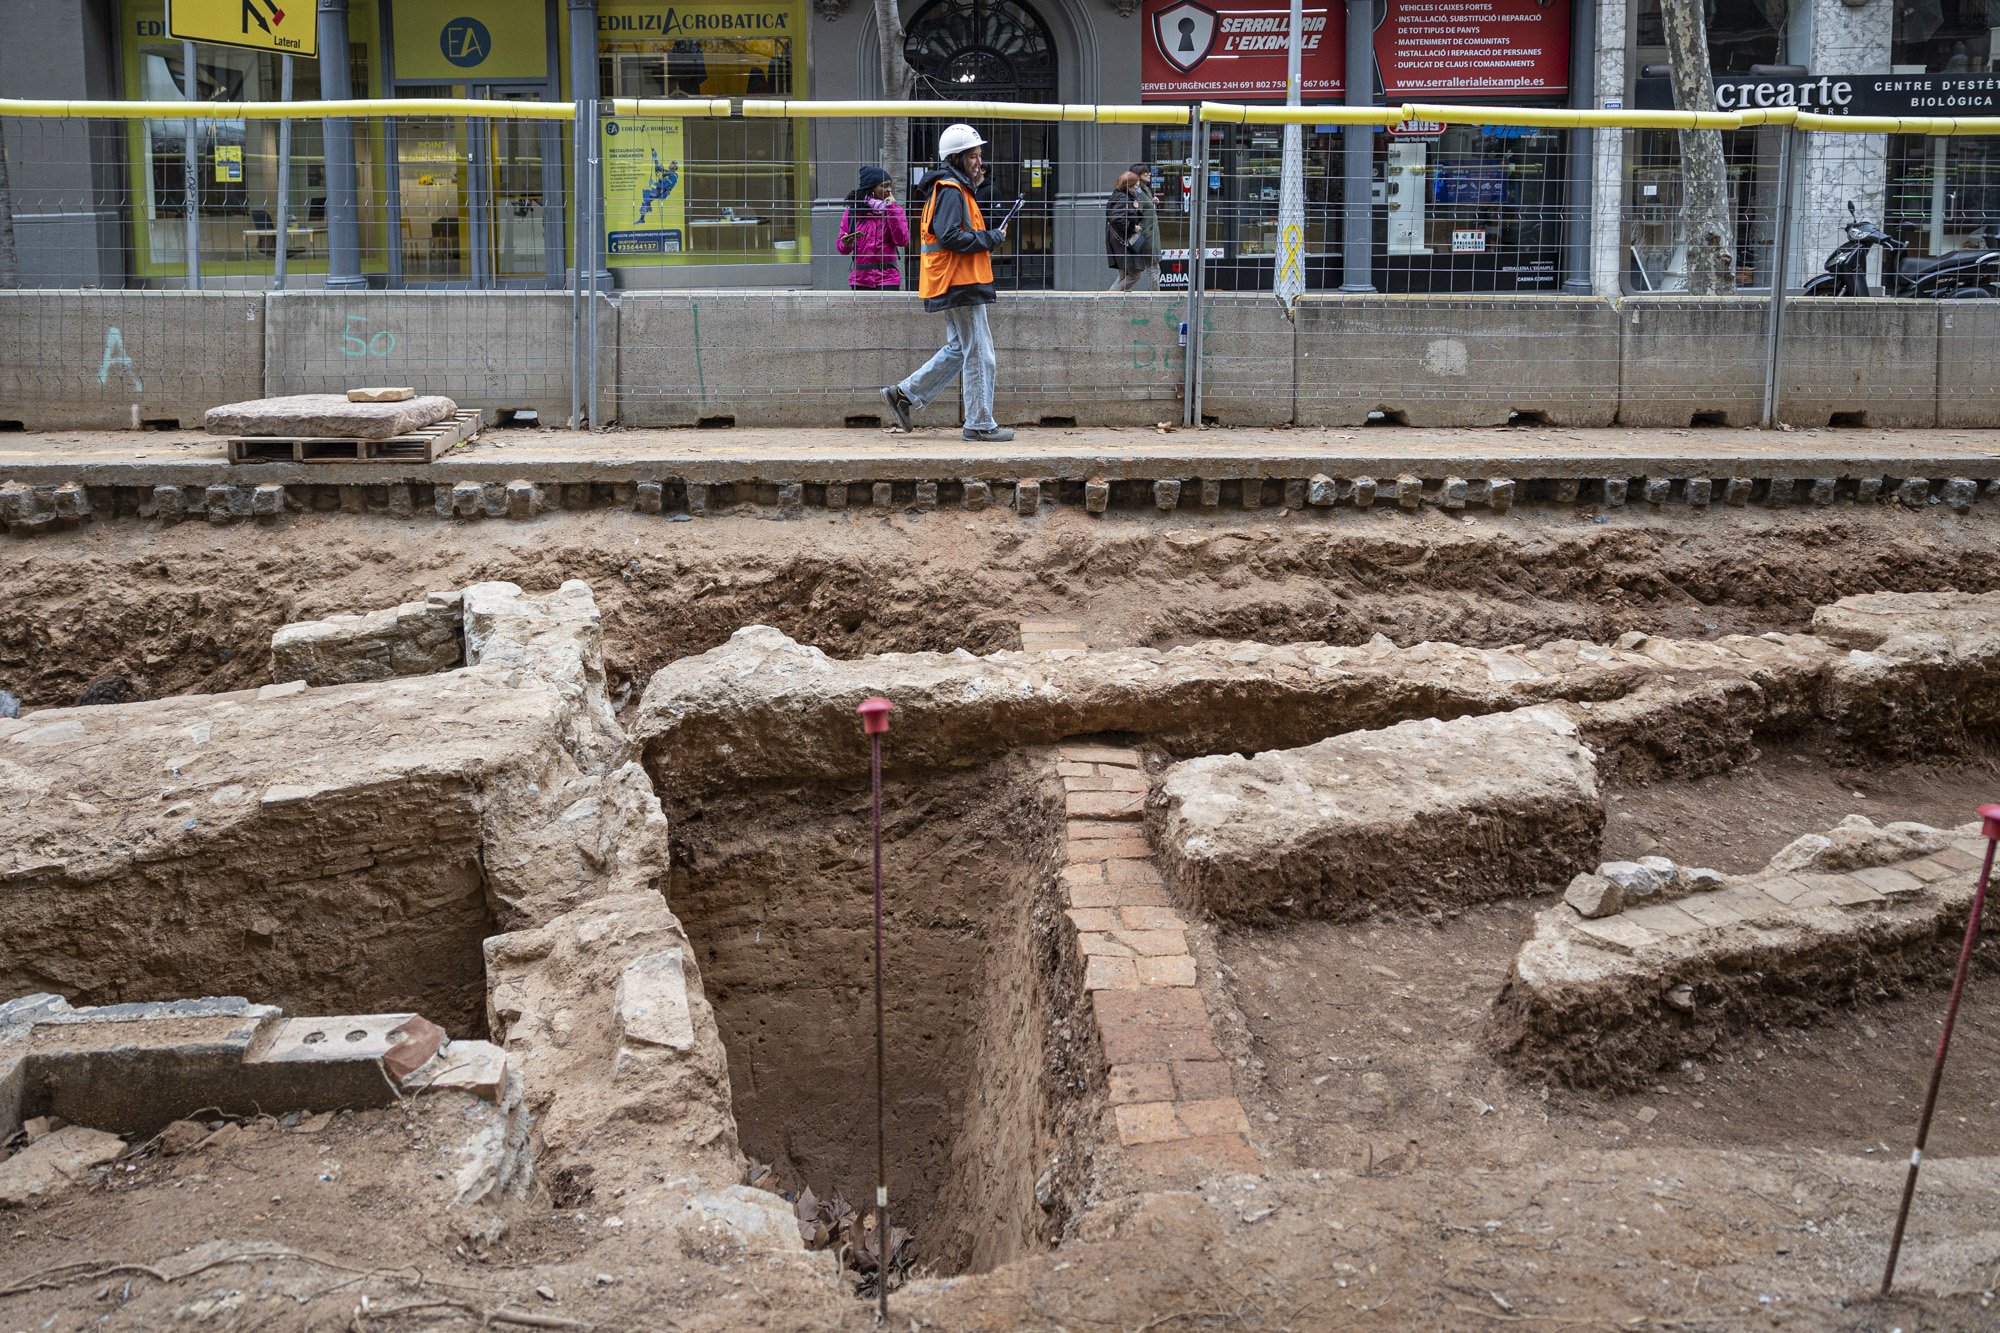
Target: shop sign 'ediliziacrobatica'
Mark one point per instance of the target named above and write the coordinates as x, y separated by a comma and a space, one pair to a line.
1845, 94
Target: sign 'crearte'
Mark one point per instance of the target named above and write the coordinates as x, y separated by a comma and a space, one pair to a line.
1845, 94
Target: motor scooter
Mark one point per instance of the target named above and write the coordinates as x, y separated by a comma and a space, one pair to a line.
1972, 273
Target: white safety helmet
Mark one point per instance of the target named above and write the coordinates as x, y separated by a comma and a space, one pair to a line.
956, 139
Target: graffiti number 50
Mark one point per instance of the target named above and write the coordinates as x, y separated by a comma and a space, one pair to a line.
363, 343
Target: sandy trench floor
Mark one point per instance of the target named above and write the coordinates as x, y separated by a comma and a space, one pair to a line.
1414, 1183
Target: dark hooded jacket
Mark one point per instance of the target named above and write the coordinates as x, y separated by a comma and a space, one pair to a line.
950, 225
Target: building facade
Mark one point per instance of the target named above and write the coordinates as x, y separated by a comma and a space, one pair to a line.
757, 202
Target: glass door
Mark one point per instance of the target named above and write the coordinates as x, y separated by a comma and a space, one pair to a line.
475, 203
512, 162
433, 193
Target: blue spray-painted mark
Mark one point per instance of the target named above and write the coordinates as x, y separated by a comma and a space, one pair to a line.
116, 355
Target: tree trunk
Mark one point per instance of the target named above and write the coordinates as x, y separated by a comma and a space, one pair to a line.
10, 256
1711, 246
897, 84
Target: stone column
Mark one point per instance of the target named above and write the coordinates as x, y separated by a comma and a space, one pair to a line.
1830, 38
1357, 244
1607, 214
1582, 161
343, 228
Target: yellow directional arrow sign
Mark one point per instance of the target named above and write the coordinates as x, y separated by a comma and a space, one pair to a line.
289, 27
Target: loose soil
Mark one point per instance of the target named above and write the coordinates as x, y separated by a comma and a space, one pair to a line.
191, 608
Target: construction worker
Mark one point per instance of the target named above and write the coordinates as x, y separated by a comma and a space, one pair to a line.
955, 278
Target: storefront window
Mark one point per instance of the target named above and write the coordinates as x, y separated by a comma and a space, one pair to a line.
237, 161
1946, 36
700, 189
1741, 33
1473, 208
1656, 226
1246, 169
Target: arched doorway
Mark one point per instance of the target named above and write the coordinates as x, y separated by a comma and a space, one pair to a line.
995, 51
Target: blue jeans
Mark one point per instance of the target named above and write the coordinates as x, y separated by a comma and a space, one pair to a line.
968, 349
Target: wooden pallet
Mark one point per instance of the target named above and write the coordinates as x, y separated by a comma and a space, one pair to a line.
419, 446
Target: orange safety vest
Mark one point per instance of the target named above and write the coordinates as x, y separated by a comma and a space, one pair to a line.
939, 269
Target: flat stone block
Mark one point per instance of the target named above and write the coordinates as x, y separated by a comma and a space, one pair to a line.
327, 416
267, 501
1166, 494
1096, 495
651, 1002
1500, 495
1423, 813
1027, 497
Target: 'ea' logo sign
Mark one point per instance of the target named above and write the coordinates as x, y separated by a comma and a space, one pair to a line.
465, 42
1184, 33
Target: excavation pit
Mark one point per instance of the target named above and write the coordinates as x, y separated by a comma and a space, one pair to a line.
985, 1131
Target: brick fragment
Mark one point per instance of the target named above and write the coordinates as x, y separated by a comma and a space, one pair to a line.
1184, 1162
1174, 970
1201, 1080
1104, 972
1104, 804
1224, 1115
411, 1045
1141, 1083
1147, 1122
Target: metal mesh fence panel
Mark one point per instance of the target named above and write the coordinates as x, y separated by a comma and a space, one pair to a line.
757, 262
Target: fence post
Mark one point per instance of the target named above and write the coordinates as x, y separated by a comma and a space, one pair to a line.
1582, 148
1197, 271
1781, 254
593, 191
577, 305
283, 206
191, 171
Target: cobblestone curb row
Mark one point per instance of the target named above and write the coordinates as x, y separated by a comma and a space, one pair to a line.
31, 509
1173, 1109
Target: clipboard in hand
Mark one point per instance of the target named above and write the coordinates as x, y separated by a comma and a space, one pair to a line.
1012, 213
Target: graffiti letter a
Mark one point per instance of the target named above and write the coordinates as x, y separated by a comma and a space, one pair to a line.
116, 355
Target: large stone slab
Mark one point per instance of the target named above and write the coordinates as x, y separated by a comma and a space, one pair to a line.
327, 416
1607, 1002
1868, 620
765, 708
1424, 814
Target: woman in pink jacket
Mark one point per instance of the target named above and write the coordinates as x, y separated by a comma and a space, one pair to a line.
875, 230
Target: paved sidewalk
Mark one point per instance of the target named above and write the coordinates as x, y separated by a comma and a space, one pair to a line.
125, 458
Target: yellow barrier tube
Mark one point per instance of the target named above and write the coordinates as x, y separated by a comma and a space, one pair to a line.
689, 107
1561, 118
1080, 112
370, 108
1931, 125
1235, 113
